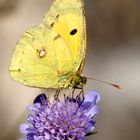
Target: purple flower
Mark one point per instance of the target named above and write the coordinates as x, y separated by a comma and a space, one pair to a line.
71, 119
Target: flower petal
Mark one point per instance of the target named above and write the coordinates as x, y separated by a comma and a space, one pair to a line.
32, 109
23, 139
47, 136
40, 99
92, 96
92, 112
24, 128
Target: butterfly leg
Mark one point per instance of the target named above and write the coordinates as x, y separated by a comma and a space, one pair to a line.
78, 87
73, 92
81, 93
56, 94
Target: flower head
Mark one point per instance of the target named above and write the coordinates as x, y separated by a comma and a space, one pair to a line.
71, 119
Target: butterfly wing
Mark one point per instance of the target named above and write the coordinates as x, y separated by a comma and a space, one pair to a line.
40, 58
48, 55
67, 17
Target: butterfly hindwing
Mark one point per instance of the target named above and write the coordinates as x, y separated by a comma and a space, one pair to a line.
38, 60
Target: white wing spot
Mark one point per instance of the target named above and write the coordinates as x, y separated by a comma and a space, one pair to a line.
42, 53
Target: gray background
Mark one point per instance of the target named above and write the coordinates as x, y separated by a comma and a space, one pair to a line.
113, 55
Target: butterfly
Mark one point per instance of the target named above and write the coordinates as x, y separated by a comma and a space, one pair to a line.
52, 54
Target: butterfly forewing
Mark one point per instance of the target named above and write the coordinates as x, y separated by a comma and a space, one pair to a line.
67, 18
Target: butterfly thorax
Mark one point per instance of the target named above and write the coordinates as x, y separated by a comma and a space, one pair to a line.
77, 81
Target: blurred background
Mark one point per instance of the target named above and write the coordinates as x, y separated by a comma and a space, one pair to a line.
113, 55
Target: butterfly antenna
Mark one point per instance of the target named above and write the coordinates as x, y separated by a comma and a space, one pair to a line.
114, 85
